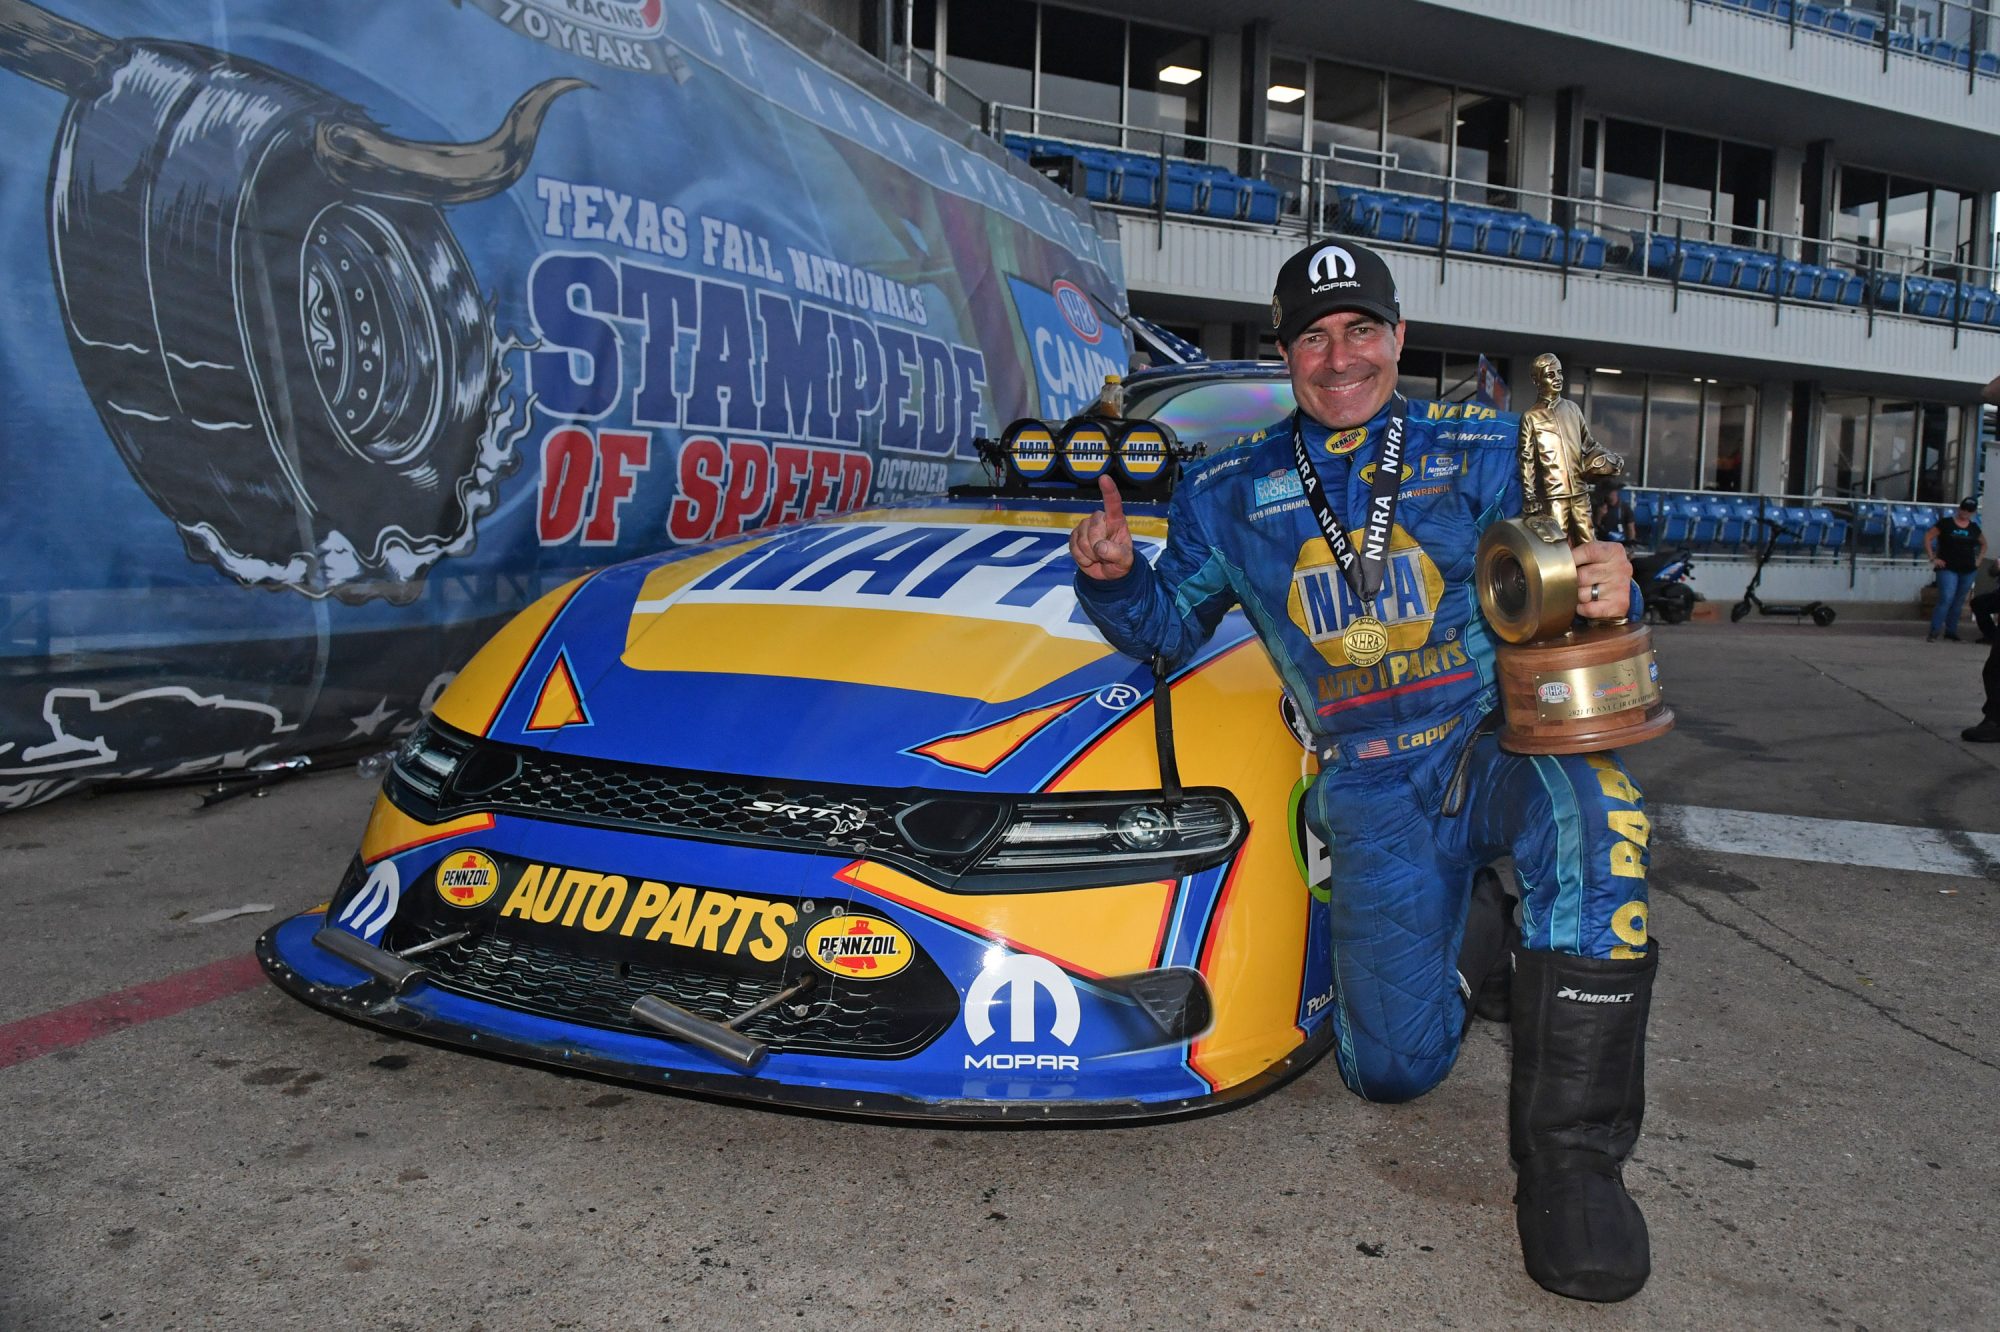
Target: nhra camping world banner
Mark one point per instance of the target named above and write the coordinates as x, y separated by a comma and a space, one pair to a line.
336, 332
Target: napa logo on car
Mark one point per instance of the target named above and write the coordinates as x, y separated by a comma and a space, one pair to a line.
467, 878
859, 947
983, 609
1322, 603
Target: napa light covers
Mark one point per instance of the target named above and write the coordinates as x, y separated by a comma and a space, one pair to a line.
1137, 454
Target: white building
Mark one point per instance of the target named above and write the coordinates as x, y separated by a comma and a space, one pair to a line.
1795, 203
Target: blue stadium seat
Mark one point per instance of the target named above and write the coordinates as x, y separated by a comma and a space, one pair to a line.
1263, 203
1187, 188
1711, 519
1727, 520
1974, 305
1871, 526
1677, 521
1849, 288
1827, 528
1586, 249
1645, 513
1538, 241
1988, 64
1746, 510
1503, 234
1907, 530
1138, 180
1925, 297
1759, 273
1724, 266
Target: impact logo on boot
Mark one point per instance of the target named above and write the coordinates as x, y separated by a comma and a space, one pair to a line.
1592, 997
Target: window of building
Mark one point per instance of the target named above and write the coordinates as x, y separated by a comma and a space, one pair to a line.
1675, 432
1087, 74
1347, 112
991, 50
1392, 132
1083, 73
1167, 82
1646, 178
1926, 226
1887, 449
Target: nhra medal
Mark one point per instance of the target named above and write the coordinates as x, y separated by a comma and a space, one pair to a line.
1365, 641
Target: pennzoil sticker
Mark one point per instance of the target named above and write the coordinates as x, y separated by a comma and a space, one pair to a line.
859, 947
467, 878
1346, 441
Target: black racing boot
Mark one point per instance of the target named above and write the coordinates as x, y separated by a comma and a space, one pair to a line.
1578, 1095
1486, 955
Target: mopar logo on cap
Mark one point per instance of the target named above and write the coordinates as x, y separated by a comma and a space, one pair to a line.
1332, 264
1076, 311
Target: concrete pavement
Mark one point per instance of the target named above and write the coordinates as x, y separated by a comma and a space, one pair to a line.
1819, 1152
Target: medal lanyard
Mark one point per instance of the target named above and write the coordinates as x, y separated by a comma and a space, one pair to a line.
1363, 570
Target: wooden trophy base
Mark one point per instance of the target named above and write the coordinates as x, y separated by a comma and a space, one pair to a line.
1591, 689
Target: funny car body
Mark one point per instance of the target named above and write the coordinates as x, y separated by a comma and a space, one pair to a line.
859, 815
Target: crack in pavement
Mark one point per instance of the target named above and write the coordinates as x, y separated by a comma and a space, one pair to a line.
1881, 1010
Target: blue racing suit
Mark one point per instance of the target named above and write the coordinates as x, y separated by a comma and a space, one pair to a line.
1390, 735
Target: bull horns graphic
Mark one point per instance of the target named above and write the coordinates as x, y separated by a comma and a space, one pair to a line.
375, 162
78, 61
267, 307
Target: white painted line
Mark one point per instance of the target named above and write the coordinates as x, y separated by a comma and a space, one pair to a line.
1739, 832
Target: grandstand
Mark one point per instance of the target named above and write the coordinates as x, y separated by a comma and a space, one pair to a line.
1759, 232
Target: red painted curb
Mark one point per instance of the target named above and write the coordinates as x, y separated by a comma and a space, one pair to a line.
60, 1028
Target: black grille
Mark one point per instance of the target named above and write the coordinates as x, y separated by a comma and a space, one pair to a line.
709, 802
857, 821
879, 1020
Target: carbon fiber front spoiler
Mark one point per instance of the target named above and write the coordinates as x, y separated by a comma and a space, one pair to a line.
375, 1003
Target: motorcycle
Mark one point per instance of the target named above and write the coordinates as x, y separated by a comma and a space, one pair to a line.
1662, 577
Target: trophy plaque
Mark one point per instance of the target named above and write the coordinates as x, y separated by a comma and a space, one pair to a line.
1564, 689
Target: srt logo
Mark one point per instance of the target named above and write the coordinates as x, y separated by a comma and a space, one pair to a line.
1331, 264
839, 819
1021, 975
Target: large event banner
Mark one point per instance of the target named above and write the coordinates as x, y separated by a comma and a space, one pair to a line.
330, 334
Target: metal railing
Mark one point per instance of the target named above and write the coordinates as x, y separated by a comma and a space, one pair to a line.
1312, 184
1947, 33
1834, 528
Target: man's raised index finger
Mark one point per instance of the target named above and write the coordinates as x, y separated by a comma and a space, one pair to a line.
1114, 503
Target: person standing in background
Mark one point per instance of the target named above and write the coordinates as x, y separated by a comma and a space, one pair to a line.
1955, 546
1613, 516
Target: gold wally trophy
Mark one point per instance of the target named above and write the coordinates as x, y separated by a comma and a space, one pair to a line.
1563, 689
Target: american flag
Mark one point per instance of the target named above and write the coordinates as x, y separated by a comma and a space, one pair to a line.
1376, 748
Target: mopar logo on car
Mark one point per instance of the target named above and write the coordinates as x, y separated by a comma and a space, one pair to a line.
1021, 976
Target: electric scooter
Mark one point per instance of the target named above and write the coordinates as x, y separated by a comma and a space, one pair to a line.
1821, 613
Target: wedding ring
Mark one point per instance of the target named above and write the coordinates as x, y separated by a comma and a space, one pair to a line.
1593, 591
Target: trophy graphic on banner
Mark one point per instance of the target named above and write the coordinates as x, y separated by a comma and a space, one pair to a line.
1564, 689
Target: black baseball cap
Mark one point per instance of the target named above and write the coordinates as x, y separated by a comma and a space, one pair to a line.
1327, 276
1970, 504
